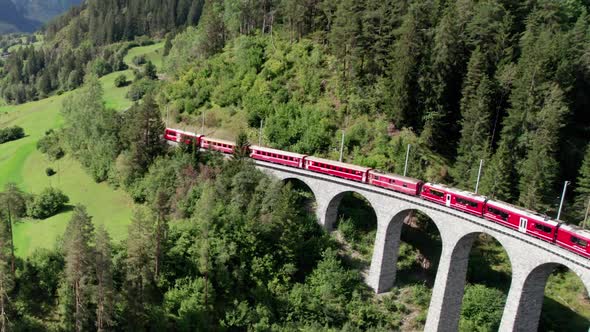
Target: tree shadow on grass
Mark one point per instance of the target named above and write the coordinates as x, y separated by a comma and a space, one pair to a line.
558, 317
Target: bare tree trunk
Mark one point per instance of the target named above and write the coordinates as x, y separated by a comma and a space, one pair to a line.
78, 306
11, 239
100, 309
158, 239
3, 320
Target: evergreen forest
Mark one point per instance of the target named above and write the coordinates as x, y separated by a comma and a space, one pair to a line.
214, 244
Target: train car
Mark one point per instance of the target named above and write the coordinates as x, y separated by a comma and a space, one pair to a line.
217, 145
277, 156
453, 198
574, 238
523, 220
335, 168
395, 182
176, 135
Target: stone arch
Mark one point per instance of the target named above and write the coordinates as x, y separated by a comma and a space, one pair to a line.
422, 234
309, 203
454, 264
386, 248
529, 308
330, 214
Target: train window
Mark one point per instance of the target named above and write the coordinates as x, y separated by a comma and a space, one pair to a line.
503, 215
578, 241
466, 202
405, 185
543, 228
437, 193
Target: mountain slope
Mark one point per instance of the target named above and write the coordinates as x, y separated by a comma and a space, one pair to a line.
44, 10
12, 20
29, 15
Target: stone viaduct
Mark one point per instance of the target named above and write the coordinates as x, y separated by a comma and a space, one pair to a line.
532, 260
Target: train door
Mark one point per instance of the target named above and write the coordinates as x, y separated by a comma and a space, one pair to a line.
448, 200
522, 225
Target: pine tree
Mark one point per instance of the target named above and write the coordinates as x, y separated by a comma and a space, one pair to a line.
539, 169
344, 37
440, 84
13, 205
408, 53
583, 188
140, 274
498, 179
105, 291
6, 277
168, 44
476, 107
242, 148
161, 206
79, 264
142, 133
150, 71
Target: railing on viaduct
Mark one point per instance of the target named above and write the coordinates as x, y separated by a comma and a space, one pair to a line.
531, 259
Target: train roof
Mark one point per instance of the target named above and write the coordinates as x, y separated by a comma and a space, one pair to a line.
184, 132
461, 192
576, 230
339, 164
396, 176
270, 150
523, 211
217, 140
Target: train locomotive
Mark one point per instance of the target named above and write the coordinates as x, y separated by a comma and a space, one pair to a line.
570, 237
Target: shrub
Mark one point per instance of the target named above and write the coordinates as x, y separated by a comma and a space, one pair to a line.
140, 88
138, 60
49, 202
11, 134
50, 145
150, 71
121, 81
49, 171
482, 308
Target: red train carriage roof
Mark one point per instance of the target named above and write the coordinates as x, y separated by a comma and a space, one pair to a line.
184, 132
576, 230
275, 151
474, 196
396, 176
339, 164
523, 211
216, 140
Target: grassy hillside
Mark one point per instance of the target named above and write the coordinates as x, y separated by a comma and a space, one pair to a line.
152, 53
20, 162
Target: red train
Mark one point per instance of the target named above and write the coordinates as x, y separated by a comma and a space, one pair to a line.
570, 237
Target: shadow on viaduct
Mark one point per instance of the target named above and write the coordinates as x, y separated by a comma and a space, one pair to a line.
532, 260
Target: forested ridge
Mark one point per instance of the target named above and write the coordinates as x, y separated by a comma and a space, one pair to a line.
92, 37
500, 81
216, 245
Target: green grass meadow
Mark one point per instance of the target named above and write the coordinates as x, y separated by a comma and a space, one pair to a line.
152, 53
20, 162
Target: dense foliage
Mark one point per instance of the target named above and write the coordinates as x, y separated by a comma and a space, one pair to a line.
244, 255
461, 81
11, 133
217, 245
49, 202
81, 42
